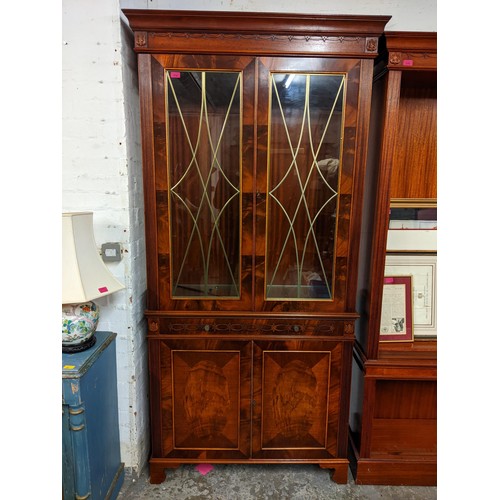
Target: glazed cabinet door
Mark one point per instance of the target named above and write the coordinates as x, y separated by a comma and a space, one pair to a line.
297, 400
197, 116
309, 165
253, 173
204, 397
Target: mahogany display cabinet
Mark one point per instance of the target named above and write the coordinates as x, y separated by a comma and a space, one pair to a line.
254, 138
393, 421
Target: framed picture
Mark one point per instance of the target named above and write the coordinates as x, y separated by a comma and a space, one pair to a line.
396, 323
422, 269
412, 227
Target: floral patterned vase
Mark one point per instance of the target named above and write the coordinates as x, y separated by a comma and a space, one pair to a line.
79, 322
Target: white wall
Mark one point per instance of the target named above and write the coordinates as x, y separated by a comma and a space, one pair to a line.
101, 165
102, 173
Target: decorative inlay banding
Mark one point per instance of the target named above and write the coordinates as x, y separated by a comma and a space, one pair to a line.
335, 329
259, 36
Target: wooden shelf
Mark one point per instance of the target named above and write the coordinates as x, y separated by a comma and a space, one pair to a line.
418, 349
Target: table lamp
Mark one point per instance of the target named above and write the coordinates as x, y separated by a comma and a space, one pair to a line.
85, 277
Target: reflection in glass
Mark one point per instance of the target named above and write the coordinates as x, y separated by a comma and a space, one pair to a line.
203, 137
413, 218
305, 144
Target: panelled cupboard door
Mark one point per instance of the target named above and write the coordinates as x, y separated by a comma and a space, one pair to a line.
207, 408
296, 399
251, 181
205, 399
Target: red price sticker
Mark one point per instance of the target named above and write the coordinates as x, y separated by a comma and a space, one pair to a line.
408, 62
175, 74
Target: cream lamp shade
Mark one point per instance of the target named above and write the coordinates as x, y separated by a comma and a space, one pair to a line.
85, 277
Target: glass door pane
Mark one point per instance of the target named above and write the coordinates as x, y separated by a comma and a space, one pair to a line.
304, 165
204, 170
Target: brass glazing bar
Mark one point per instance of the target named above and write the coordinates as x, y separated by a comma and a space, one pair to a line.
293, 162
303, 187
315, 165
205, 182
172, 189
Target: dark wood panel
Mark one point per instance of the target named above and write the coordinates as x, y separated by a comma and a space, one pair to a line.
344, 402
401, 369
163, 233
205, 398
414, 173
231, 21
358, 193
155, 401
296, 399
255, 33
419, 349
403, 437
406, 399
370, 194
381, 209
148, 155
397, 472
412, 51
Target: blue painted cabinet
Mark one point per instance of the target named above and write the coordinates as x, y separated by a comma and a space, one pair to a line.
91, 465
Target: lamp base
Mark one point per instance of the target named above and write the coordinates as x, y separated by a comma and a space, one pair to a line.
87, 344
79, 322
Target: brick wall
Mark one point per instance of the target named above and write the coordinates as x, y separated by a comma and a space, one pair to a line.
101, 172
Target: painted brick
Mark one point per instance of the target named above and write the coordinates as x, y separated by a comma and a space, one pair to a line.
102, 173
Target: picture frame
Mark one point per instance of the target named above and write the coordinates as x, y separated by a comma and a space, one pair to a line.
423, 270
396, 323
412, 226
412, 240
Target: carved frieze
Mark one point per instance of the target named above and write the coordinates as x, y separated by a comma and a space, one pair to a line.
419, 60
371, 44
